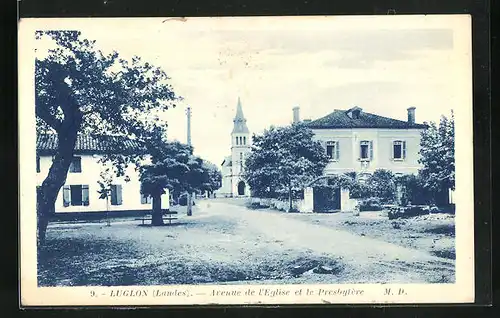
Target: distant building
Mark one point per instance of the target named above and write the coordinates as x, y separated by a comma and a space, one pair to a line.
80, 192
233, 184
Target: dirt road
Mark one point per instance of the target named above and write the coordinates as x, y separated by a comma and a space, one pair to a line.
367, 258
225, 243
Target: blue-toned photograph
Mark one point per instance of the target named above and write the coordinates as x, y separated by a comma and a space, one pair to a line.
180, 154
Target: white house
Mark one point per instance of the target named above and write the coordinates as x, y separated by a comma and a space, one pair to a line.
232, 168
80, 192
361, 142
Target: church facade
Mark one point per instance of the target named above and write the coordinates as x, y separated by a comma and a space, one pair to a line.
232, 167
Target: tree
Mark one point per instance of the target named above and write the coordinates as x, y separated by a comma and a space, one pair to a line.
105, 183
382, 184
212, 177
283, 160
79, 89
437, 150
174, 167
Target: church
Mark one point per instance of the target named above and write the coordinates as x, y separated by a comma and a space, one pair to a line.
233, 183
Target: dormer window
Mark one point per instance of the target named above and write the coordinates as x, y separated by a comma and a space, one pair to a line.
354, 112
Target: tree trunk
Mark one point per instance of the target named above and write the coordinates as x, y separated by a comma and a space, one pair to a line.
51, 186
156, 215
189, 204
290, 199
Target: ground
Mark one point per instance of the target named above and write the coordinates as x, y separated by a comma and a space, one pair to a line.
226, 243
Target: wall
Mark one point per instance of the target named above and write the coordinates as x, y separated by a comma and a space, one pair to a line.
346, 203
91, 168
382, 149
225, 189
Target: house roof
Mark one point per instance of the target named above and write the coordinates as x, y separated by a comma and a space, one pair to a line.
344, 119
227, 162
95, 144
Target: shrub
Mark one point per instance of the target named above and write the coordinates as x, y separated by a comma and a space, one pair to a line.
408, 212
370, 204
413, 190
382, 184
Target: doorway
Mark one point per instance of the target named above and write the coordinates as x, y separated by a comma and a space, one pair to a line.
326, 199
241, 188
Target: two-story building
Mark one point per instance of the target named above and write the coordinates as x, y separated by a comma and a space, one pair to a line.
361, 142
80, 195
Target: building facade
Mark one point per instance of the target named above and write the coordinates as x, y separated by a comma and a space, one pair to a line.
80, 192
232, 167
361, 142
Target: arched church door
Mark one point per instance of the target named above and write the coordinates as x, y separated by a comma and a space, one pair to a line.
241, 188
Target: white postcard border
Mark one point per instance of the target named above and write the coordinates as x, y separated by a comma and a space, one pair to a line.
461, 291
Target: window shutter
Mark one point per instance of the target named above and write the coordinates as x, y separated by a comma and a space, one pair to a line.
404, 149
66, 196
359, 150
391, 151
371, 150
78, 161
118, 194
85, 195
113, 194
337, 150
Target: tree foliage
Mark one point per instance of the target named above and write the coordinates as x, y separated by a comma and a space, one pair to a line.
437, 150
282, 160
174, 167
212, 177
79, 89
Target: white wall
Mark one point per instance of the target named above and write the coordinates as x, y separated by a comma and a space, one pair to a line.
91, 169
226, 187
382, 149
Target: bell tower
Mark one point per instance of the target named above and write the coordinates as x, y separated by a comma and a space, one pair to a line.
240, 147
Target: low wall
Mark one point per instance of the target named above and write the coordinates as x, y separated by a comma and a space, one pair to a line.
307, 204
276, 204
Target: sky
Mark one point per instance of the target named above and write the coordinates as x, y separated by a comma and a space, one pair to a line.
275, 64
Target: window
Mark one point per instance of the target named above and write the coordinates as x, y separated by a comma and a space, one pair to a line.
146, 199
37, 163
75, 195
76, 165
332, 150
366, 150
116, 194
237, 141
399, 150
244, 140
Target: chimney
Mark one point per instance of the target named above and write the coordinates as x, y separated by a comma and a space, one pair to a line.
296, 117
411, 115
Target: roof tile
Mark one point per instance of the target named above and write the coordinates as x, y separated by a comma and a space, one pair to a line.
340, 119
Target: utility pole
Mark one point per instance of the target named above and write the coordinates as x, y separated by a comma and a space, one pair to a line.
189, 195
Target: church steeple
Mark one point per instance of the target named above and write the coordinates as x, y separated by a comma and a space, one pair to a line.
240, 123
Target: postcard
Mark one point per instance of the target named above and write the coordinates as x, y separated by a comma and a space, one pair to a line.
246, 160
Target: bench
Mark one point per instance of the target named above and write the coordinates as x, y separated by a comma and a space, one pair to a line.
166, 215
